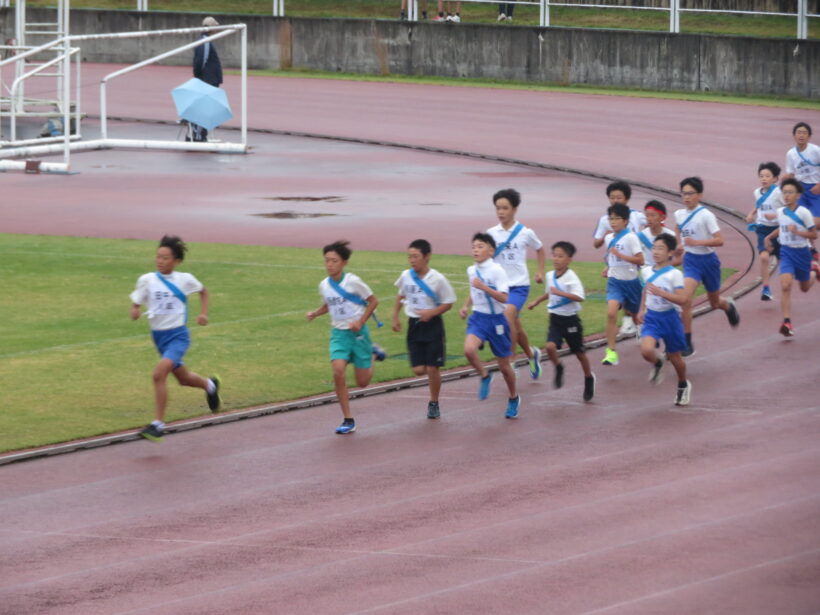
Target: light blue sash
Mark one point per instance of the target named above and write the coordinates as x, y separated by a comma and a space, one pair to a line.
424, 287
562, 300
500, 248
618, 237
763, 196
806, 160
175, 291
659, 273
791, 214
489, 296
692, 215
351, 297
644, 240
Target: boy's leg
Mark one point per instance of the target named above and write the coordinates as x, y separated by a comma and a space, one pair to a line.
506, 369
805, 286
363, 376
471, 344
340, 385
649, 350
434, 382
764, 267
786, 294
679, 364
612, 308
160, 377
552, 353
690, 285
188, 378
584, 361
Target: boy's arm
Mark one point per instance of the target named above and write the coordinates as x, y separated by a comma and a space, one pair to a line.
396, 310
768, 239
135, 311
642, 310
679, 297
635, 259
715, 242
531, 305
466, 307
426, 315
372, 304
540, 254
563, 293
317, 312
202, 319
808, 234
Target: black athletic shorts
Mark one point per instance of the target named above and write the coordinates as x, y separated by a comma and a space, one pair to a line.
567, 328
425, 342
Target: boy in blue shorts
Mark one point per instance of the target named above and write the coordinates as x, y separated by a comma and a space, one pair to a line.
795, 231
165, 292
803, 164
350, 303
564, 296
512, 240
763, 219
698, 232
489, 292
426, 294
663, 296
623, 288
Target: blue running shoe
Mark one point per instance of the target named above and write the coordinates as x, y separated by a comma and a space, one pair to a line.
378, 352
512, 407
766, 294
484, 387
535, 364
348, 426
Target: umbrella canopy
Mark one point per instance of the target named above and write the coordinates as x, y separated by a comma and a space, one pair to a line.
201, 103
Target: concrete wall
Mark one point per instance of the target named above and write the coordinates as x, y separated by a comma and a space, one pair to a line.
656, 60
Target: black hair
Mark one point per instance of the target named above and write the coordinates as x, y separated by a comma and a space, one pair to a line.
770, 166
619, 210
565, 246
801, 125
340, 247
670, 241
485, 237
422, 245
622, 186
656, 205
513, 196
695, 182
175, 244
793, 182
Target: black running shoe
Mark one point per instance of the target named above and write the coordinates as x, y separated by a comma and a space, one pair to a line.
690, 350
589, 388
153, 433
732, 314
214, 400
656, 373
433, 411
558, 381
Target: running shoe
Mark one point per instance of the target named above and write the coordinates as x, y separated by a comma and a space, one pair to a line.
214, 400
610, 358
501, 17
786, 329
732, 314
439, 18
484, 386
535, 363
816, 268
628, 326
378, 352
153, 433
656, 373
512, 407
558, 380
690, 350
456, 19
433, 411
589, 388
682, 396
347, 426
766, 294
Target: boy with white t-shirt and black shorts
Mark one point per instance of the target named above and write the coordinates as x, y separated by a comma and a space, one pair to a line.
697, 230
426, 295
564, 295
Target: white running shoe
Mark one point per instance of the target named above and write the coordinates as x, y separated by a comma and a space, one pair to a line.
628, 326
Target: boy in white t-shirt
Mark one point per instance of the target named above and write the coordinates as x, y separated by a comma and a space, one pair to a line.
489, 292
795, 231
165, 292
803, 164
661, 303
512, 240
763, 219
426, 295
655, 213
698, 232
350, 303
564, 296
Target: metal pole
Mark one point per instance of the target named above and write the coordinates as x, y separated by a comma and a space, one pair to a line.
802, 20
77, 130
244, 112
674, 16
67, 101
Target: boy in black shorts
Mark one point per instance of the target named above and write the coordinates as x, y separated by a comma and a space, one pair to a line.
426, 295
565, 294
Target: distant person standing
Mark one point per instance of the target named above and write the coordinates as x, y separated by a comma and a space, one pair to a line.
208, 68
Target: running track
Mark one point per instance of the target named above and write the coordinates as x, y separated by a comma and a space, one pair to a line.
626, 505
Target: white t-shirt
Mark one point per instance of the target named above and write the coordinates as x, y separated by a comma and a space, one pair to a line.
495, 277
669, 282
514, 257
416, 299
568, 282
620, 269
637, 220
804, 171
786, 237
770, 205
344, 312
648, 259
165, 310
703, 225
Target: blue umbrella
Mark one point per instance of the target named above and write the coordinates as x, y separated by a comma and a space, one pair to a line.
202, 104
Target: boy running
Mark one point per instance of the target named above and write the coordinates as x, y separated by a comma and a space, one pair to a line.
803, 164
426, 295
512, 240
165, 292
655, 213
564, 296
763, 219
489, 292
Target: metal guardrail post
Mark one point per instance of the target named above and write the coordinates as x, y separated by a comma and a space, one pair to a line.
802, 20
278, 8
545, 13
674, 16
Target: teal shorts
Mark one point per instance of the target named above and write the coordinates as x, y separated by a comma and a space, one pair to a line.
352, 346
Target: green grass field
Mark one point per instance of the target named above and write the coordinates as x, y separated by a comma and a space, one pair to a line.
75, 365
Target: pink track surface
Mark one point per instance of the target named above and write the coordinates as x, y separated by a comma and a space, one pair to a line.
626, 505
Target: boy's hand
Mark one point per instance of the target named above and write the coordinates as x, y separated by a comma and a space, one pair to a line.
691, 241
640, 316
463, 313
310, 315
426, 315
555, 291
539, 278
202, 320
793, 228
135, 312
750, 217
615, 252
357, 325
769, 216
653, 290
531, 305
396, 325
605, 272
477, 283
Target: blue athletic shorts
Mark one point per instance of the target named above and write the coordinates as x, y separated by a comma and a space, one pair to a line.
625, 292
796, 261
703, 268
518, 296
666, 326
492, 328
762, 233
810, 201
172, 344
